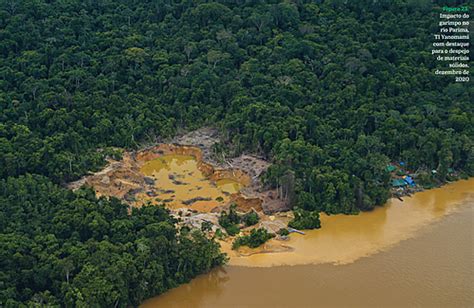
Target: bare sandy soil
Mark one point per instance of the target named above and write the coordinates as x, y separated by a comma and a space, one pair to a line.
253, 165
125, 179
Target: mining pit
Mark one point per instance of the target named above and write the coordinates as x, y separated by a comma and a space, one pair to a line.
184, 176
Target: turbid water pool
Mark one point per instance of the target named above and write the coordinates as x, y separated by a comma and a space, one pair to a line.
180, 183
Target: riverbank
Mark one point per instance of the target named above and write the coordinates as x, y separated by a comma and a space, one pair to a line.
183, 176
345, 239
432, 269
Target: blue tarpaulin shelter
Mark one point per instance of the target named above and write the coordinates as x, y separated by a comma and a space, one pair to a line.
409, 180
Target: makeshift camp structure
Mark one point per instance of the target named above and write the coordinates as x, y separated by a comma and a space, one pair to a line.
409, 180
398, 183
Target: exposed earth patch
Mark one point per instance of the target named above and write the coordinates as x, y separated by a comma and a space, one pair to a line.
196, 186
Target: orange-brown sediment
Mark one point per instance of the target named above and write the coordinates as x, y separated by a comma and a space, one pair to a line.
203, 186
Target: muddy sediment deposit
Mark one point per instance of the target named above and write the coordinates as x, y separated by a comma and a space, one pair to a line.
175, 175
186, 178
183, 181
119, 179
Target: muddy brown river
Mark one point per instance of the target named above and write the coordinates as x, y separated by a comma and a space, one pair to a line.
416, 253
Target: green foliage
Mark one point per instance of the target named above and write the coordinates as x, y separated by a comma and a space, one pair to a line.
250, 219
283, 232
256, 238
230, 220
426, 179
206, 226
305, 220
59, 247
116, 154
232, 230
219, 151
330, 91
219, 234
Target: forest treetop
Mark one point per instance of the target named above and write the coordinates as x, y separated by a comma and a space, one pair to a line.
330, 91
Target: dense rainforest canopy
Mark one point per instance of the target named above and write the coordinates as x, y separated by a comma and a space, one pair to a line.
60, 248
330, 91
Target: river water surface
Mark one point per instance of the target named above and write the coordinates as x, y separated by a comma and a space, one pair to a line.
413, 253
